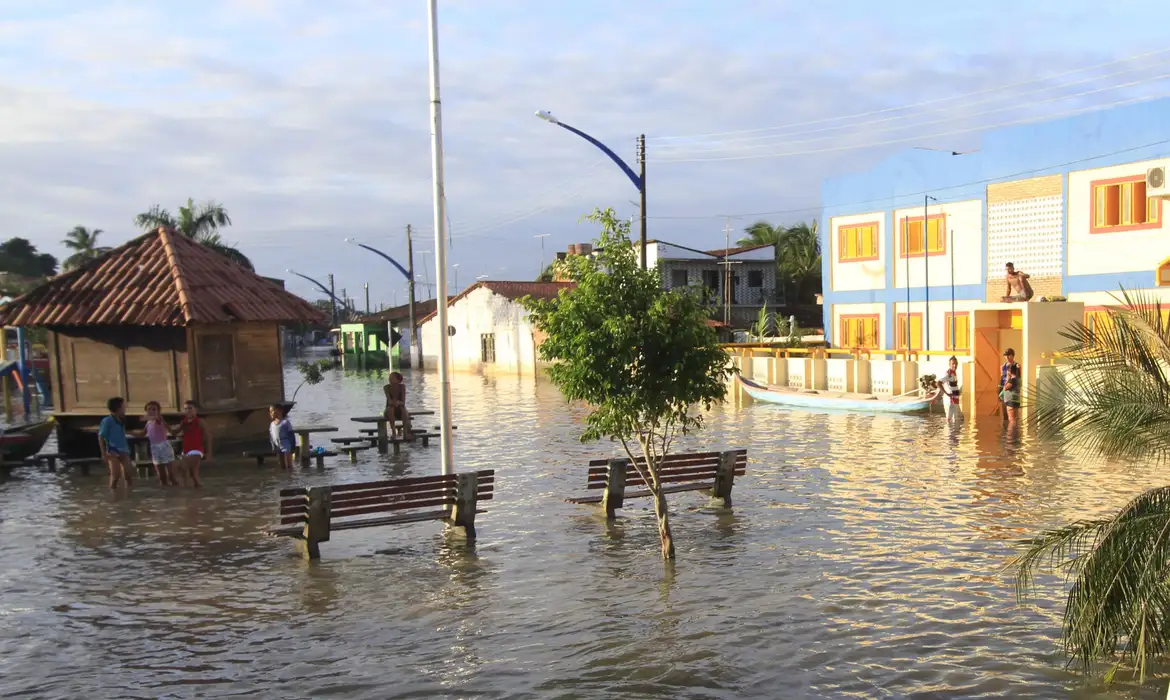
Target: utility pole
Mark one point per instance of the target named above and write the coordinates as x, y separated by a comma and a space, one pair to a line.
926, 264
367, 285
642, 163
332, 300
415, 340
726, 273
541, 236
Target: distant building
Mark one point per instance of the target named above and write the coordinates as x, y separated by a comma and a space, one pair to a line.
1067, 201
489, 329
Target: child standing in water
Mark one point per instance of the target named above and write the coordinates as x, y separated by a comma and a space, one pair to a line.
1010, 395
196, 442
280, 433
161, 453
396, 407
112, 441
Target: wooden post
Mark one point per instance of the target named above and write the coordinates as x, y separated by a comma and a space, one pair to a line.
466, 493
382, 438
303, 448
320, 460
724, 479
7, 399
352, 455
615, 488
317, 526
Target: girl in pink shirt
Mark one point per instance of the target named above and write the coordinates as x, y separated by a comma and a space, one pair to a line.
161, 452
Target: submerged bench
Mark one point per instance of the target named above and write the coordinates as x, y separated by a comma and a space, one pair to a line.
710, 472
311, 514
262, 455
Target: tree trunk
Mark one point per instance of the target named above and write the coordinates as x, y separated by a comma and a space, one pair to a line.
663, 515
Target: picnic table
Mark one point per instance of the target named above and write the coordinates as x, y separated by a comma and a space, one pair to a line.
303, 434
383, 433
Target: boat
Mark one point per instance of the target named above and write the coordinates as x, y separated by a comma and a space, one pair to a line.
837, 400
20, 442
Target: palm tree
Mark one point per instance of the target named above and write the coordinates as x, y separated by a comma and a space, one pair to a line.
83, 243
761, 233
798, 253
199, 223
1113, 399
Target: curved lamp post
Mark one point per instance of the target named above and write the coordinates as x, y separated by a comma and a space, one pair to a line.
409, 277
639, 180
332, 299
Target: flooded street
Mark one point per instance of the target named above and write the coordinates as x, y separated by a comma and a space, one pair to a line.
863, 559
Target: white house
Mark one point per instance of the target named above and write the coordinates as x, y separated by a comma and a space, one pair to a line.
489, 329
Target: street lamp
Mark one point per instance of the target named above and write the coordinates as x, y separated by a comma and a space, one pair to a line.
455, 270
639, 180
332, 299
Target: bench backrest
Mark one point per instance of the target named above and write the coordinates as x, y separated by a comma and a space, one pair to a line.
676, 468
370, 497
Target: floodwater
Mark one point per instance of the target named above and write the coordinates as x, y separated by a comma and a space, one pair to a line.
863, 560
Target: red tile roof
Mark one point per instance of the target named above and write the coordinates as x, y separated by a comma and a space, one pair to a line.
158, 279
720, 252
511, 290
398, 313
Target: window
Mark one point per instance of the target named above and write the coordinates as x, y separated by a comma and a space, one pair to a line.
678, 278
487, 348
958, 331
912, 334
912, 239
711, 280
1163, 279
1121, 205
858, 242
755, 279
859, 332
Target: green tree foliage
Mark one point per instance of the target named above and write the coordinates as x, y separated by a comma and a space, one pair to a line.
1112, 399
83, 242
18, 256
641, 357
200, 223
312, 373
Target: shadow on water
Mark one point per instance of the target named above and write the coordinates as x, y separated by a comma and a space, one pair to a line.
863, 558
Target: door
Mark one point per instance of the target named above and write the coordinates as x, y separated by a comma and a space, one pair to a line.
217, 360
986, 356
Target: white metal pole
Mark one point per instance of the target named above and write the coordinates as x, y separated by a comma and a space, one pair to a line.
446, 451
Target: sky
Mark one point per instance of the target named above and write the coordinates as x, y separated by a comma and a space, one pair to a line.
309, 120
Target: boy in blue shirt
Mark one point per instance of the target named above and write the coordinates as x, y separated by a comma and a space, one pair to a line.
112, 441
280, 434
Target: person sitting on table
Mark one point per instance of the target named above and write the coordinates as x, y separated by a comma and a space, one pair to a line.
396, 407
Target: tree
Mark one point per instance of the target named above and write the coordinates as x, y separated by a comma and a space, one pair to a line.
83, 242
20, 257
641, 357
1113, 398
761, 233
798, 254
200, 223
312, 373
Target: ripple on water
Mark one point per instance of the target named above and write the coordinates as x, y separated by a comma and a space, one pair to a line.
862, 560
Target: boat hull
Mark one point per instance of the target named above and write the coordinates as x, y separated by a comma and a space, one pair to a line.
801, 399
23, 441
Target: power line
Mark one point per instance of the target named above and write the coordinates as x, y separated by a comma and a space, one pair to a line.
736, 144
916, 104
879, 200
1029, 120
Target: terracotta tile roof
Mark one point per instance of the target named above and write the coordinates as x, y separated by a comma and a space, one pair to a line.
511, 290
720, 252
158, 279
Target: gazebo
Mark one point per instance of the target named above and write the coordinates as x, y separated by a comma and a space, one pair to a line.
162, 318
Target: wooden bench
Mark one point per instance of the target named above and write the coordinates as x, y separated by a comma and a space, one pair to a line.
352, 451
311, 514
711, 472
261, 456
49, 459
82, 464
353, 440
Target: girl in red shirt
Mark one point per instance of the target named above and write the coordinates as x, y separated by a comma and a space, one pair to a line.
196, 442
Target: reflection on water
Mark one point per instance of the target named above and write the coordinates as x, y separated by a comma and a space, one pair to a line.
862, 560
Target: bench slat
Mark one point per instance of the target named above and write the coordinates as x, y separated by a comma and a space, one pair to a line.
632, 475
409, 492
581, 500
361, 498
289, 519
681, 456
390, 520
301, 491
408, 505
637, 481
412, 481
671, 463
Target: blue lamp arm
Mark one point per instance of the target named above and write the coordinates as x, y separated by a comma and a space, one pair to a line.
391, 260
605, 149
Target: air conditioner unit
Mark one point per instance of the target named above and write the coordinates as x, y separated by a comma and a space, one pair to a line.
1157, 183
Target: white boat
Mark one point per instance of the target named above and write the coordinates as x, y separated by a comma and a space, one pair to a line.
837, 400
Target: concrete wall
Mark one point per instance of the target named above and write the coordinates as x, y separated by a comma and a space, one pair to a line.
483, 312
964, 249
